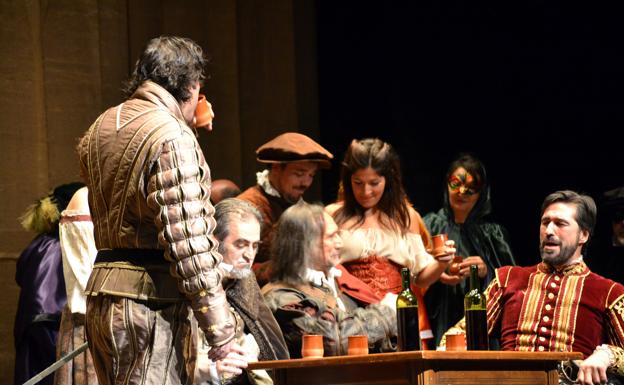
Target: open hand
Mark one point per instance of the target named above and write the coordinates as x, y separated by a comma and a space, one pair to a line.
593, 370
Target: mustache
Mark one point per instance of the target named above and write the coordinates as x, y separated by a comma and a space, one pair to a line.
550, 241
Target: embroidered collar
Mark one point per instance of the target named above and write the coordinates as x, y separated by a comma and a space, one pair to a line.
262, 178
576, 267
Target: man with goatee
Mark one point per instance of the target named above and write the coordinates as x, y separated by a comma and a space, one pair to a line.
559, 304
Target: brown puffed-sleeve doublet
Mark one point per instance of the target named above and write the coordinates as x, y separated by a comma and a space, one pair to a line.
149, 188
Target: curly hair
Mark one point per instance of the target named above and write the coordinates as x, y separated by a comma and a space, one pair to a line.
381, 157
175, 63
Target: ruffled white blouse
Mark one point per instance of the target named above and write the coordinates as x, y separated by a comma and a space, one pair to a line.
406, 250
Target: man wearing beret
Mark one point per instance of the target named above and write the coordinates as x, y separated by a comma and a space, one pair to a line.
294, 159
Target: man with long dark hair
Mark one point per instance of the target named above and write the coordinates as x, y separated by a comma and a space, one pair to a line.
305, 295
156, 274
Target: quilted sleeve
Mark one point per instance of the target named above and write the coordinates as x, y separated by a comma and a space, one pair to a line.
179, 189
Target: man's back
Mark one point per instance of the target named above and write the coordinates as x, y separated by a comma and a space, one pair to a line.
149, 189
121, 153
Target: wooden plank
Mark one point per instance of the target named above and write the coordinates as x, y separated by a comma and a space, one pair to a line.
422, 368
466, 356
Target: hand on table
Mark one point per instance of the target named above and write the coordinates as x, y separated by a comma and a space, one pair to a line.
220, 352
593, 370
234, 362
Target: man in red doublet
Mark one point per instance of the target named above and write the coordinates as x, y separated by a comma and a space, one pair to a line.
559, 304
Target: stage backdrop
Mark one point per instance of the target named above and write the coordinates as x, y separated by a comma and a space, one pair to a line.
64, 62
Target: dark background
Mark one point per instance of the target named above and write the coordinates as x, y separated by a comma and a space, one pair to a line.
533, 89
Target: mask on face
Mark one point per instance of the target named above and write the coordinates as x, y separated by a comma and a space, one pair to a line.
463, 183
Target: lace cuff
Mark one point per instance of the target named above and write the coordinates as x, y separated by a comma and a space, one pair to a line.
616, 358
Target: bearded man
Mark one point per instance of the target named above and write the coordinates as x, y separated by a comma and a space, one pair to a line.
294, 160
559, 304
238, 232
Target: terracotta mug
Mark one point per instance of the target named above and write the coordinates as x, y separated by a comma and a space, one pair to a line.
439, 244
358, 345
455, 342
203, 113
454, 265
312, 346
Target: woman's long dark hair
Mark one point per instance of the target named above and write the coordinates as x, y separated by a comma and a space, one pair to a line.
381, 157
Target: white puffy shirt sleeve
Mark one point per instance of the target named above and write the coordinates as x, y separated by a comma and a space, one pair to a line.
416, 253
79, 251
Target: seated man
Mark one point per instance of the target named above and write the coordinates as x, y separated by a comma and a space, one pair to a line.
559, 304
304, 294
238, 233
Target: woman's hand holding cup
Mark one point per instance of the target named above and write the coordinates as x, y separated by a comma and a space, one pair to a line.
443, 248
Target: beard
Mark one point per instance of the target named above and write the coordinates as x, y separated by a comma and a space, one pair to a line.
290, 198
240, 273
566, 251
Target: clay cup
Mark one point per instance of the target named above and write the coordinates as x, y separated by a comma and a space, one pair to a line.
439, 244
312, 346
358, 345
454, 266
455, 342
203, 113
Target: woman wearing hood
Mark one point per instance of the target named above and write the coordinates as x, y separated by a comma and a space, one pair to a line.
482, 243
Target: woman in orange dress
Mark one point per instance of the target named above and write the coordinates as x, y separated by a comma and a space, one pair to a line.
381, 231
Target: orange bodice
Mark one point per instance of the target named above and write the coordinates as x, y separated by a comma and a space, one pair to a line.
381, 274
384, 276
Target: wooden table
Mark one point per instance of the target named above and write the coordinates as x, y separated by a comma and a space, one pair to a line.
422, 368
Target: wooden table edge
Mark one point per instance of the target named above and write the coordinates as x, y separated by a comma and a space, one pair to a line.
424, 354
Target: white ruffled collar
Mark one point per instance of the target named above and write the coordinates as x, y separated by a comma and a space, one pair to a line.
318, 278
262, 178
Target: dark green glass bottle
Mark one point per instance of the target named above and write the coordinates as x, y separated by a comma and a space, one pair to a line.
407, 316
476, 315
